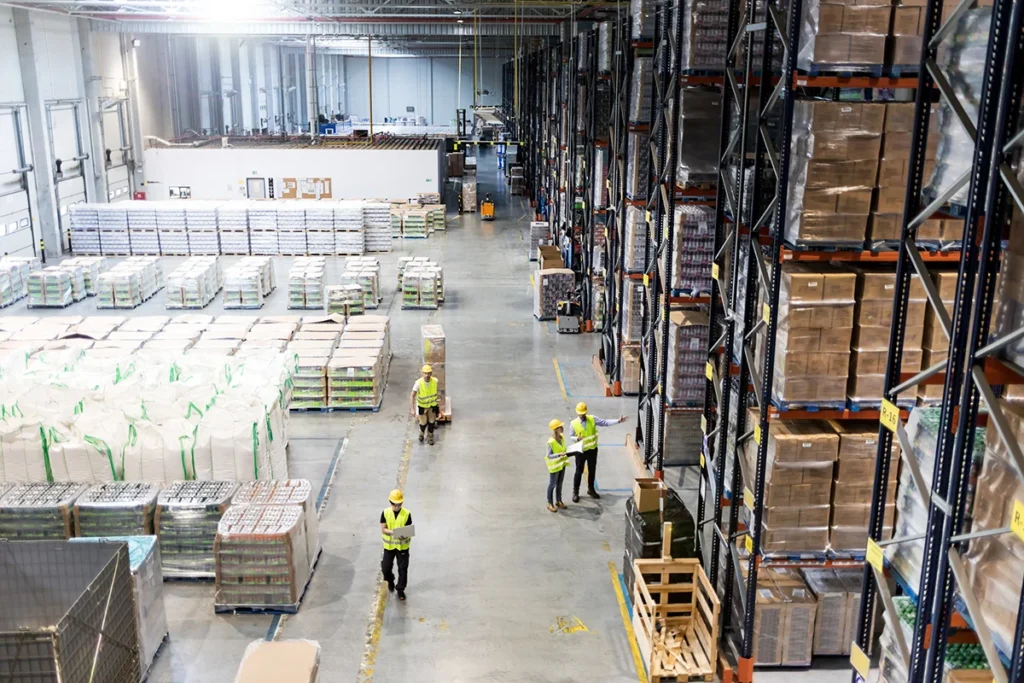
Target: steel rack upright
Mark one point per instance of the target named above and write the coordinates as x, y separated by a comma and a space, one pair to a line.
610, 354
945, 598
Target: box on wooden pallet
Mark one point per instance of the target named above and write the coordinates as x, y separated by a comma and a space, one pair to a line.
675, 617
286, 492
435, 355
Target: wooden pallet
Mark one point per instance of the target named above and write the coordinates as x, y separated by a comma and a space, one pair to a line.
444, 414
675, 617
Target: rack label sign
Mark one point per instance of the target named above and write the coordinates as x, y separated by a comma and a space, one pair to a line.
749, 543
889, 416
748, 498
647, 280
766, 314
1017, 519
860, 661
874, 555
703, 462
703, 424
709, 371
757, 434
714, 271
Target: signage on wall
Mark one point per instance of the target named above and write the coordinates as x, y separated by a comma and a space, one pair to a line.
179, 192
270, 187
306, 188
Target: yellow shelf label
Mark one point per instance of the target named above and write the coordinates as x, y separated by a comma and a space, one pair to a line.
860, 661
703, 424
757, 434
714, 271
647, 216
1017, 519
709, 371
766, 313
647, 280
703, 463
748, 498
875, 556
889, 416
749, 543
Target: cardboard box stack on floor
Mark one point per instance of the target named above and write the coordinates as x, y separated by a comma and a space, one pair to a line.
280, 661
435, 355
815, 326
873, 314
833, 167
837, 592
297, 492
996, 563
784, 620
798, 484
853, 483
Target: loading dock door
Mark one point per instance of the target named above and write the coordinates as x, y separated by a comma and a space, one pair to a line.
68, 149
116, 152
16, 235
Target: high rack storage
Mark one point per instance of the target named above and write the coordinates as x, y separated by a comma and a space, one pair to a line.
769, 225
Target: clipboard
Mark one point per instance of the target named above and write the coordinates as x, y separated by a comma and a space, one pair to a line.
404, 531
575, 448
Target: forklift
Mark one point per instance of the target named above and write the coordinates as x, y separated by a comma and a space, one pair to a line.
487, 209
569, 317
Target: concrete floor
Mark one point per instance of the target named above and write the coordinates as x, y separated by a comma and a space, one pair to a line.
500, 589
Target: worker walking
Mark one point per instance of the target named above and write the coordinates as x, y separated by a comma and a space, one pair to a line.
557, 460
393, 517
584, 429
423, 403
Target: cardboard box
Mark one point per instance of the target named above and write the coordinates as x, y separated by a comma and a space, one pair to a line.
860, 494
856, 117
769, 623
866, 363
890, 198
796, 517
879, 312
879, 283
841, 174
549, 257
840, 146
813, 364
908, 20
852, 538
842, 18
840, 227
281, 661
647, 494
832, 615
800, 441
831, 200
801, 283
840, 285
857, 439
885, 226
799, 540
897, 144
836, 339
848, 48
859, 515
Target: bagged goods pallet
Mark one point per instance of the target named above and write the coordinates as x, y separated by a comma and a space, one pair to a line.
64, 604
281, 661
77, 276
39, 512
147, 590
187, 515
118, 508
421, 285
142, 229
640, 90
286, 492
306, 283
365, 272
145, 417
194, 284
552, 285
261, 558
397, 212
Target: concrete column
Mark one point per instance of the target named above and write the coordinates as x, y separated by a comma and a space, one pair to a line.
131, 76
226, 85
298, 99
43, 196
96, 180
204, 79
258, 69
275, 110
246, 98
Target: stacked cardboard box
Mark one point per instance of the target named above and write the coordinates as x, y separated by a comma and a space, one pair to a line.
306, 283
894, 172
869, 348
281, 661
815, 326
286, 492
552, 285
784, 620
798, 484
853, 484
995, 564
837, 592
687, 355
346, 300
845, 33
356, 377
434, 355
833, 169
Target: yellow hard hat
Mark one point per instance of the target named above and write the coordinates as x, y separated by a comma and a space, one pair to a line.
396, 497
581, 408
555, 424
426, 368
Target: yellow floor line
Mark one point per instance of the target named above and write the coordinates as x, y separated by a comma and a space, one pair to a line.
532, 283
641, 673
561, 384
373, 628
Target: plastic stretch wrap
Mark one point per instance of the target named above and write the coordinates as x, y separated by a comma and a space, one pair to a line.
699, 126
636, 242
632, 309
694, 246
642, 14
194, 283
833, 170
306, 283
186, 521
91, 267
963, 61
638, 156
39, 512
641, 89
261, 557
687, 337
604, 46
286, 492
843, 34
50, 288
552, 285
705, 28
148, 589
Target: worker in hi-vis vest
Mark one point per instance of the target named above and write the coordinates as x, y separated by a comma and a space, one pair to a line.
423, 403
584, 428
393, 517
557, 460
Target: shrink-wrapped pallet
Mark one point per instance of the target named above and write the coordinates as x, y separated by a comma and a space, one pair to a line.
540, 233
346, 300
642, 14
639, 251
434, 355
694, 246
119, 508
469, 195
261, 558
39, 512
638, 156
356, 378
376, 218
306, 283
641, 88
50, 288
604, 46
552, 285
286, 492
144, 553
632, 310
193, 284
243, 287
687, 356
700, 118
843, 35
187, 515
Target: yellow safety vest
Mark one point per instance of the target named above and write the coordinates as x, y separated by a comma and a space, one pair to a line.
587, 434
558, 459
394, 521
426, 396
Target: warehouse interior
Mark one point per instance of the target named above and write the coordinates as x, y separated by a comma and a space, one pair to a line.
734, 290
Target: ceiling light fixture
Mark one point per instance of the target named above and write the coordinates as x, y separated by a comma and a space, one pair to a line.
458, 21
458, 11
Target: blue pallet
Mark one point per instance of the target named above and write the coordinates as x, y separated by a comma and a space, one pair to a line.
844, 70
903, 70
857, 406
810, 245
785, 406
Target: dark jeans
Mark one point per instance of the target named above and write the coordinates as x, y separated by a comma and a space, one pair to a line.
427, 418
555, 480
388, 561
588, 458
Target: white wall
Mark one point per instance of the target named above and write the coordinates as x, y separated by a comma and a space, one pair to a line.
354, 173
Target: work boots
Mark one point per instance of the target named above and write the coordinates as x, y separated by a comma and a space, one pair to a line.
430, 438
421, 437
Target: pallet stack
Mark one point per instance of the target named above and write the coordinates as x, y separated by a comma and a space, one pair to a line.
120, 508
551, 286
377, 219
143, 231
346, 300
852, 485
187, 515
39, 512
434, 354
194, 284
201, 223
306, 283
233, 228
291, 229
50, 288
